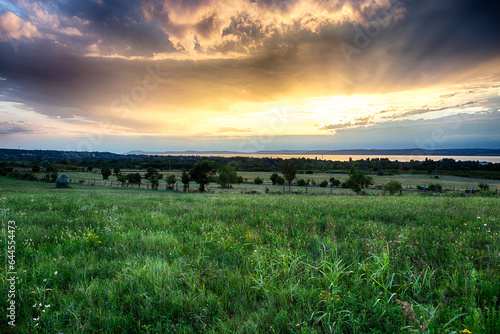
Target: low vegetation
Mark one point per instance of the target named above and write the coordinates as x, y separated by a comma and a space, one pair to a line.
97, 259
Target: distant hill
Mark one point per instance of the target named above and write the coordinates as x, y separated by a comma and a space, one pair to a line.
388, 152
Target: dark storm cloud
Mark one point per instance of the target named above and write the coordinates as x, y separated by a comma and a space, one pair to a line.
120, 26
442, 38
54, 77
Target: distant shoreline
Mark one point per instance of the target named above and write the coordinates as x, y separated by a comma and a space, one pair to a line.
358, 152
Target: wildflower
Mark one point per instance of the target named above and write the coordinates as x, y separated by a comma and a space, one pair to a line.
466, 331
47, 305
298, 325
55, 273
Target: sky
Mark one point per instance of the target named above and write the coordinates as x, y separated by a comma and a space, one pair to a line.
249, 75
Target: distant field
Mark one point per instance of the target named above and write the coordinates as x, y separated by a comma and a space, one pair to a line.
407, 180
102, 259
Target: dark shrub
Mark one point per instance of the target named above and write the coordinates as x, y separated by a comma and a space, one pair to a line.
134, 178
301, 182
258, 180
62, 181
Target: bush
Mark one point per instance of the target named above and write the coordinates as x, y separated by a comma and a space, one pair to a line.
324, 184
301, 182
134, 178
358, 180
227, 176
393, 187
274, 178
122, 178
258, 180
484, 186
280, 181
171, 179
62, 181
29, 177
437, 188
334, 182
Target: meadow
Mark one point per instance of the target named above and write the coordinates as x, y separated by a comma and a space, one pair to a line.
408, 181
103, 259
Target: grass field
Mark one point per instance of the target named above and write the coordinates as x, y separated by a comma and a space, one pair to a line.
102, 259
409, 181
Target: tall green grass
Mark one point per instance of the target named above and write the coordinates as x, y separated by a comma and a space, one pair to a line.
93, 259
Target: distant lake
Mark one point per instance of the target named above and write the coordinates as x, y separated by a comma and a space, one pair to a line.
402, 158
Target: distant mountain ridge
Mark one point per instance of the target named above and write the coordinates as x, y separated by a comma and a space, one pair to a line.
415, 151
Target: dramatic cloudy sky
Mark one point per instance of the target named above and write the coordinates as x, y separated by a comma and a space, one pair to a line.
248, 75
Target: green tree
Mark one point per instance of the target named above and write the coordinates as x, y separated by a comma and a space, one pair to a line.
122, 178
274, 178
483, 186
334, 182
117, 169
280, 181
105, 170
134, 177
185, 179
358, 180
323, 184
35, 168
171, 179
62, 181
155, 181
152, 171
154, 177
393, 187
201, 173
227, 176
289, 171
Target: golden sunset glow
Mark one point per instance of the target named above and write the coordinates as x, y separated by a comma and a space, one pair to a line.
174, 75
